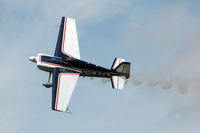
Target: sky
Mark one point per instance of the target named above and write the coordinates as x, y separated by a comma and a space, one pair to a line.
159, 37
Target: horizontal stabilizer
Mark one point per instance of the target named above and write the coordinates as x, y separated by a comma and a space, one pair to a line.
118, 82
124, 69
116, 62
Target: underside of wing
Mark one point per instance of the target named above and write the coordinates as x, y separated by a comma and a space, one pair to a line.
63, 87
67, 43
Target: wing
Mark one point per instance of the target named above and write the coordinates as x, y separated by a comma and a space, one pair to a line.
67, 42
63, 86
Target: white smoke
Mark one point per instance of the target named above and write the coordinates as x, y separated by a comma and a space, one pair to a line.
166, 48
165, 83
105, 80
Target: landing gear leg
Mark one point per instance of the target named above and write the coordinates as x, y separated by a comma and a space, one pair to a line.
48, 84
49, 77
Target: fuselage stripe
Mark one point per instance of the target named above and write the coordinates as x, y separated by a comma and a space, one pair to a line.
48, 62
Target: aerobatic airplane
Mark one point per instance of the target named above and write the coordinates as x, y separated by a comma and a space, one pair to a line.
66, 66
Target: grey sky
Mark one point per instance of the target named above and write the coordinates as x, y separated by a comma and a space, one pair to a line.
160, 39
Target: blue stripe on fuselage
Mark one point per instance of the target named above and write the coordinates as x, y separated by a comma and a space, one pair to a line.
52, 60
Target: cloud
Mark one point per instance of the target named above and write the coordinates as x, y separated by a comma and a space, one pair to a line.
168, 43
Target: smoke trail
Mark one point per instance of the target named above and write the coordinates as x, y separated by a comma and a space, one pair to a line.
152, 83
137, 80
165, 83
183, 88
105, 80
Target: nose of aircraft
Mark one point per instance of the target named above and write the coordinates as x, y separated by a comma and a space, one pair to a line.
32, 58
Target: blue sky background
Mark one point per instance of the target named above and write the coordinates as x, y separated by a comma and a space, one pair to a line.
160, 38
